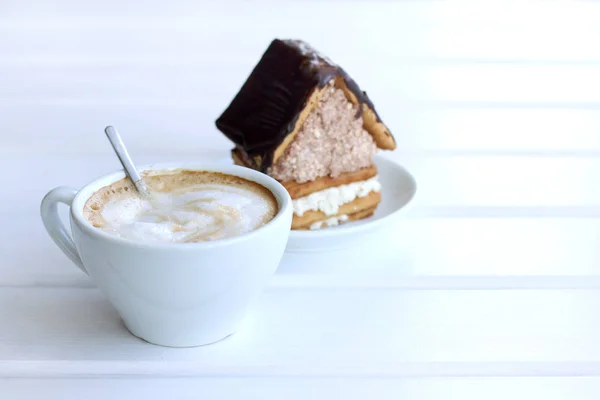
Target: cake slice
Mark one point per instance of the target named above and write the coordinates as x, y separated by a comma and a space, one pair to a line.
301, 119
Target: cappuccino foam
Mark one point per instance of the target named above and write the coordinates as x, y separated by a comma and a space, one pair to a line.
185, 206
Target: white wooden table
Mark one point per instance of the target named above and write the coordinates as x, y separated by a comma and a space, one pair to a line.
489, 289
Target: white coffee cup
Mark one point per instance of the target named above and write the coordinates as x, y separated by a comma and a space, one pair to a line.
174, 294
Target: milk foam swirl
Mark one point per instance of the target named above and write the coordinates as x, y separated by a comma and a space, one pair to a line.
199, 212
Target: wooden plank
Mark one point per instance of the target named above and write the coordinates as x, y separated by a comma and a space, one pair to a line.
292, 389
462, 247
216, 81
412, 29
354, 333
429, 130
497, 130
420, 253
504, 180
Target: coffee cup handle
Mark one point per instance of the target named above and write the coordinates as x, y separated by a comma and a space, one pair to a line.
59, 233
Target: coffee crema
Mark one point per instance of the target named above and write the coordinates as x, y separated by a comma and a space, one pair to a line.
185, 206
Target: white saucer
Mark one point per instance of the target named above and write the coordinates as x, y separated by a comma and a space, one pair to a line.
398, 188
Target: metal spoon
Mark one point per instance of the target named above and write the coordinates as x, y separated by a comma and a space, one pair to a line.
130, 170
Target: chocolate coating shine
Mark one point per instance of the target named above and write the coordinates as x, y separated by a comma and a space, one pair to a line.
266, 108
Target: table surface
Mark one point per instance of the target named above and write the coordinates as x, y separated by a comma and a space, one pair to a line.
488, 288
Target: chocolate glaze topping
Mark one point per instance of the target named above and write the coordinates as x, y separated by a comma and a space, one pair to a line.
266, 108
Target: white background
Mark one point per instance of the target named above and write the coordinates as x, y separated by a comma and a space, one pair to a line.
489, 289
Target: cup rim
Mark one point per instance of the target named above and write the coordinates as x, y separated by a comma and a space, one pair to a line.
277, 189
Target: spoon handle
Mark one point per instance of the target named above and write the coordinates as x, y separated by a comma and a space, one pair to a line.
121, 151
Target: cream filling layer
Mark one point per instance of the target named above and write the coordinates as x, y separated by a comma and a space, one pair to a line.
333, 221
329, 200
